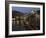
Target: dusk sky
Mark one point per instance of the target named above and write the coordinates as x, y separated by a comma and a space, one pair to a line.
24, 9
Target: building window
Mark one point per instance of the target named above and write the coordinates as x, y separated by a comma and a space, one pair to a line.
17, 22
13, 21
17, 17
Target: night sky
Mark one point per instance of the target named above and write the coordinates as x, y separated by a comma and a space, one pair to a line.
24, 9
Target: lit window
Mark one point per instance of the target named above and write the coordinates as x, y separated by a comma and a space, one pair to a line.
21, 17
22, 22
13, 20
24, 17
27, 23
17, 17
17, 22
